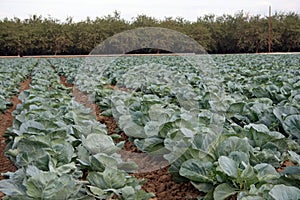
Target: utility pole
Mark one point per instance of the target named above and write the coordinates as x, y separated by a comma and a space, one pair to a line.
270, 29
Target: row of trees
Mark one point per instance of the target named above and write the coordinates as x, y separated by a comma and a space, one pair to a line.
239, 33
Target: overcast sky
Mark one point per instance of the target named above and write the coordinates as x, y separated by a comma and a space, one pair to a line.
188, 9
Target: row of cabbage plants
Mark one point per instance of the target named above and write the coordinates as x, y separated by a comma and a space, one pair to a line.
60, 150
12, 73
225, 123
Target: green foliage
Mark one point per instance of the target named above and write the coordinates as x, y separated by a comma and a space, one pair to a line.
226, 131
238, 33
281, 192
258, 134
54, 140
12, 73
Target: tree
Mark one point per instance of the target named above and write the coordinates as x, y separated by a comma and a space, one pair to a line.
254, 35
238, 33
290, 32
144, 21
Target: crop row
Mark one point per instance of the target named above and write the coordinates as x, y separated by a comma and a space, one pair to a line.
60, 150
225, 123
12, 73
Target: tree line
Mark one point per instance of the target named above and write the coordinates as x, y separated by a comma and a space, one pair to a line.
238, 33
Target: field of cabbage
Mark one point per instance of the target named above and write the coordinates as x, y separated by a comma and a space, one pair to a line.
229, 124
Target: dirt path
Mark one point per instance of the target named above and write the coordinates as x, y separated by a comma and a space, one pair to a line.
6, 121
160, 182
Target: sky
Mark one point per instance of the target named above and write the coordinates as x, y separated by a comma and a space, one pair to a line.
129, 9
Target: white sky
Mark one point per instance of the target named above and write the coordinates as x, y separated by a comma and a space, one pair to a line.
188, 9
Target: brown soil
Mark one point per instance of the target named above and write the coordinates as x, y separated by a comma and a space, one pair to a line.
161, 184
64, 81
285, 164
6, 121
153, 169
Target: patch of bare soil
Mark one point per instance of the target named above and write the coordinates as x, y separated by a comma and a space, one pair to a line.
161, 184
154, 169
6, 121
285, 164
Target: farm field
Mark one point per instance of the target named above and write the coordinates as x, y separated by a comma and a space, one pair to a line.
151, 127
